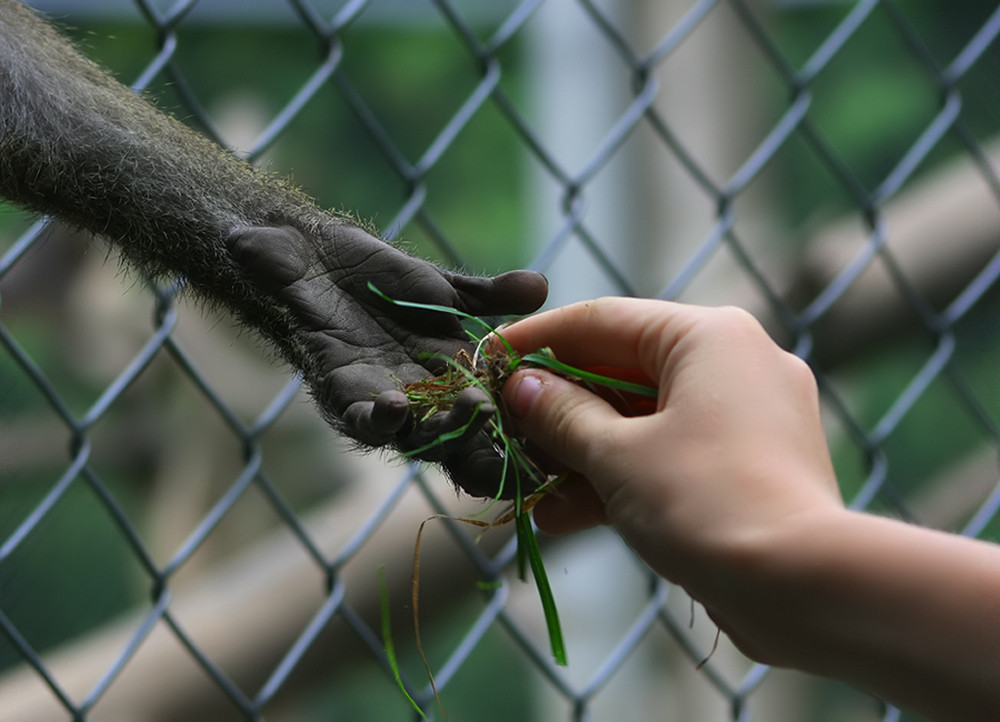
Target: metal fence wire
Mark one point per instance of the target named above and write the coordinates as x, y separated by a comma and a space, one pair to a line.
181, 538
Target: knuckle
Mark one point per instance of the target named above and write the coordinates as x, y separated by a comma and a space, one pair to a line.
737, 320
800, 374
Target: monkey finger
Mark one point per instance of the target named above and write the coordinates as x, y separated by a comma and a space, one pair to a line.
435, 438
478, 469
390, 412
473, 408
512, 293
481, 470
376, 423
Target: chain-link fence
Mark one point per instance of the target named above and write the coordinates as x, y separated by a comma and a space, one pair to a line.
181, 538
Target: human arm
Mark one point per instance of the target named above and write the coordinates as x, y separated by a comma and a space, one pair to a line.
77, 144
728, 490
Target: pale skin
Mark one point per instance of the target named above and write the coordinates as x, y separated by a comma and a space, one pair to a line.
728, 490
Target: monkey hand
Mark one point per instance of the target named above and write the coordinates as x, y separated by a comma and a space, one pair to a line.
357, 350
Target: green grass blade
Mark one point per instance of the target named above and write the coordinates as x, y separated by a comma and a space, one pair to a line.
528, 552
526, 538
538, 358
522, 551
441, 439
390, 649
439, 309
546, 361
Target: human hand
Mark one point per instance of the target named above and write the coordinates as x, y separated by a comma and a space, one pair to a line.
734, 454
361, 350
728, 490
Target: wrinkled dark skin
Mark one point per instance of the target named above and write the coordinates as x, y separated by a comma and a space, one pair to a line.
76, 144
364, 348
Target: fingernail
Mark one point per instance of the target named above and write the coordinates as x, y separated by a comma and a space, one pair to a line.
526, 388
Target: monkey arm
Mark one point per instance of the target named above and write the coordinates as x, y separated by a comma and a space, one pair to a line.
76, 144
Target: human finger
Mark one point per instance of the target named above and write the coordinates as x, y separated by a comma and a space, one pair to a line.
606, 331
571, 424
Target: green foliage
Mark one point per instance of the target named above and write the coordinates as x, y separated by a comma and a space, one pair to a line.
877, 94
488, 372
390, 647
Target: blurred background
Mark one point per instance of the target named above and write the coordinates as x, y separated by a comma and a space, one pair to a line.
182, 537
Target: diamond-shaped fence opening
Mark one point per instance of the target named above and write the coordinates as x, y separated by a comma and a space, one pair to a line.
182, 538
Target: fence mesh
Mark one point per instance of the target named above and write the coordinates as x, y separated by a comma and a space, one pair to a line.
181, 538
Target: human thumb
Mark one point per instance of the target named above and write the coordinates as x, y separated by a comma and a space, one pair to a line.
564, 419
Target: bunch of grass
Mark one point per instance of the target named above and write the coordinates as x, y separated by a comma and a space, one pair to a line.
488, 369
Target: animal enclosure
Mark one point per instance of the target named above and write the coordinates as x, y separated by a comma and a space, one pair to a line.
181, 537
